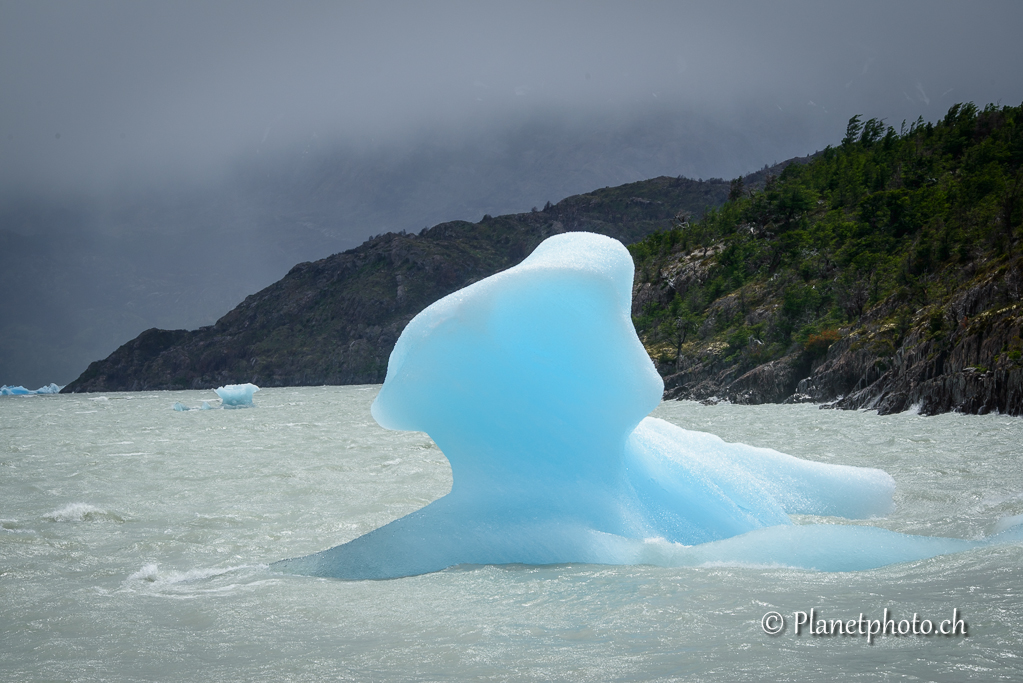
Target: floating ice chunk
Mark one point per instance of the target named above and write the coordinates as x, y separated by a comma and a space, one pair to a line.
236, 395
181, 407
821, 547
232, 396
535, 386
22, 391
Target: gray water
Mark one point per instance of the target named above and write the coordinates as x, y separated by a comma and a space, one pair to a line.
134, 544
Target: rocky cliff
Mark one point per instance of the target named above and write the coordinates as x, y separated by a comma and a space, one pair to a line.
963, 355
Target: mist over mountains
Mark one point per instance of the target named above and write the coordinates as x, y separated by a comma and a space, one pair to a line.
160, 161
96, 271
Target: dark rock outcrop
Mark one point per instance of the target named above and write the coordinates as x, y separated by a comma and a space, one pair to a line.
335, 321
965, 355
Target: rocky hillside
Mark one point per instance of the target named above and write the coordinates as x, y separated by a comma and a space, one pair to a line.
335, 321
886, 273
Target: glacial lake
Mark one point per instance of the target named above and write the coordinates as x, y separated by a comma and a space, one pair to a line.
135, 543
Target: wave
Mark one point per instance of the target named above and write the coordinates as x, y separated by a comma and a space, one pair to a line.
82, 512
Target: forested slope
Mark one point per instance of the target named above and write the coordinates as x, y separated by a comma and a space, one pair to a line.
885, 273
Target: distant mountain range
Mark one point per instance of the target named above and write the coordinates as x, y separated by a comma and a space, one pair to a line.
335, 321
883, 273
86, 272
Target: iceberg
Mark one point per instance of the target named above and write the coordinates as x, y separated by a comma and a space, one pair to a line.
236, 395
536, 388
22, 391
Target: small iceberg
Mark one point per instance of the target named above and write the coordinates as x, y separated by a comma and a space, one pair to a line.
22, 391
231, 396
236, 395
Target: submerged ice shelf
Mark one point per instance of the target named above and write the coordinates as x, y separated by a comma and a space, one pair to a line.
535, 386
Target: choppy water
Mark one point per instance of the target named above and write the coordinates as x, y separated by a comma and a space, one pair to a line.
134, 542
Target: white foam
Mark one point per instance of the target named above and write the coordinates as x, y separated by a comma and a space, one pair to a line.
149, 572
81, 512
192, 583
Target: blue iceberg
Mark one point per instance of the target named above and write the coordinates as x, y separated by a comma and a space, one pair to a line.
236, 395
535, 386
22, 391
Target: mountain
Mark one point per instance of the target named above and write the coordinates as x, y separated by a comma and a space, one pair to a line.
92, 268
885, 274
335, 320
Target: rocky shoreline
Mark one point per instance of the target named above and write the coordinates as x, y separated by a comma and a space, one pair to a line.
962, 357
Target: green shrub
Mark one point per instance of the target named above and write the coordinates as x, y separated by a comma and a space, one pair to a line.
817, 344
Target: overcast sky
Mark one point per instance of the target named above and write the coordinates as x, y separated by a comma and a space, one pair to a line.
161, 160
93, 93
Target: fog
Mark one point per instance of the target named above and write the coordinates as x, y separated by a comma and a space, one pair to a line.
158, 162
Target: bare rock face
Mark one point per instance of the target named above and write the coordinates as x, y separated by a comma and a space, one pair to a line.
773, 382
975, 369
965, 355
